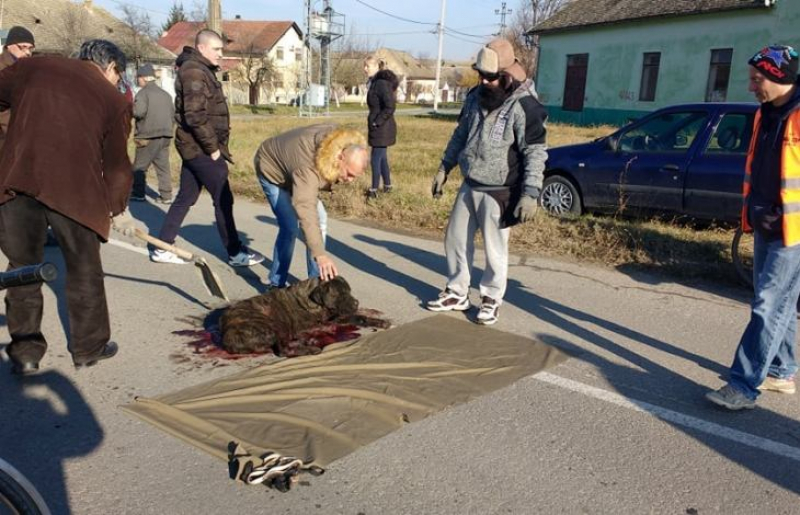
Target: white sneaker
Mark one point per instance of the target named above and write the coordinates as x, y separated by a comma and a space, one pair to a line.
246, 257
487, 314
165, 256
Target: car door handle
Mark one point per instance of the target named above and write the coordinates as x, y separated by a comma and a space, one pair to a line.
670, 168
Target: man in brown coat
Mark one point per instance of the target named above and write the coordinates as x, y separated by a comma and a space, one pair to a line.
69, 169
19, 45
201, 138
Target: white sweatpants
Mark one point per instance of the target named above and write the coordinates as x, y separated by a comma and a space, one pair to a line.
474, 210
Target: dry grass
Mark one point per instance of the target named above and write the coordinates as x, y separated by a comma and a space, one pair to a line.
679, 250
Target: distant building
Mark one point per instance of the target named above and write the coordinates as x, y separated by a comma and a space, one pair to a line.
607, 61
417, 78
250, 46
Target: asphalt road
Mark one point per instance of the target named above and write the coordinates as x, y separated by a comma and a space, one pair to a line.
622, 427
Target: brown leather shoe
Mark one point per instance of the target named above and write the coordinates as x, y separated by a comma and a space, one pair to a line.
109, 351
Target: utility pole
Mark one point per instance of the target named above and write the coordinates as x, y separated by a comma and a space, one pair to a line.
502, 12
215, 16
439, 60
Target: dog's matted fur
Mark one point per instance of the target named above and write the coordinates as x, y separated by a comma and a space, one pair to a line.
269, 322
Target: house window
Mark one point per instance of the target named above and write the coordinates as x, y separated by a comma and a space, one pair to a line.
650, 65
278, 83
279, 53
298, 54
575, 83
719, 73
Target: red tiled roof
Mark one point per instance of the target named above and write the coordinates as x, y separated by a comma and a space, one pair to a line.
242, 36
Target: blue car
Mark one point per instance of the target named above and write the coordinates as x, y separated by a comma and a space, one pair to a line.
681, 160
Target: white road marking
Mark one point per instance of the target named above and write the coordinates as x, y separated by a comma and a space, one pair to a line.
674, 417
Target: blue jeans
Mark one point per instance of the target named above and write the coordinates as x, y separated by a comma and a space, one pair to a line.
768, 343
288, 229
380, 168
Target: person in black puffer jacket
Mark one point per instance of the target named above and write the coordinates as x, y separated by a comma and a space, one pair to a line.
381, 94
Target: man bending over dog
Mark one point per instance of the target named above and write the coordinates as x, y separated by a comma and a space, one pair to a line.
292, 168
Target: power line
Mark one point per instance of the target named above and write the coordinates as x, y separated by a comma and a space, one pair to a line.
394, 15
463, 39
454, 31
391, 33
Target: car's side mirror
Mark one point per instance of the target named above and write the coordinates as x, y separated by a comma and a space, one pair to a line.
681, 140
612, 143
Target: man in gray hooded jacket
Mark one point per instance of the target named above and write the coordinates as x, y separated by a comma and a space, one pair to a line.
500, 146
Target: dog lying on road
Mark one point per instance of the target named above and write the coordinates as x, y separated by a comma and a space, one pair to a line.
271, 322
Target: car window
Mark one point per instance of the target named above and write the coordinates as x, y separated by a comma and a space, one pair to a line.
732, 135
668, 132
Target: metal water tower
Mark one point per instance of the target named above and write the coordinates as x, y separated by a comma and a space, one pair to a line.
322, 28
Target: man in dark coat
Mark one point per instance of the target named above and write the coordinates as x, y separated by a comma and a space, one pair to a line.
201, 138
382, 87
19, 45
154, 111
65, 164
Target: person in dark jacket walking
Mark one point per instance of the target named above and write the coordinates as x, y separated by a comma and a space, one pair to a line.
154, 111
765, 359
382, 130
201, 113
69, 168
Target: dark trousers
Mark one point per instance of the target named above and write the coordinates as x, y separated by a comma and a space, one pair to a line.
380, 167
23, 231
155, 152
195, 175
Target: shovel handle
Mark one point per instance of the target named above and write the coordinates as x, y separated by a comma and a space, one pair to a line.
163, 245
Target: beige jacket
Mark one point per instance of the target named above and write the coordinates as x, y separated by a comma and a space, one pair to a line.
288, 161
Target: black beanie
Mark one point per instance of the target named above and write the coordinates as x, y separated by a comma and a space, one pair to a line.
777, 63
18, 35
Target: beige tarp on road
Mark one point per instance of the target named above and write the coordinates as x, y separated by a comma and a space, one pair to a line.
326, 406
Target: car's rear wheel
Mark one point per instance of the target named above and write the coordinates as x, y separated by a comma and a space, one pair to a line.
560, 197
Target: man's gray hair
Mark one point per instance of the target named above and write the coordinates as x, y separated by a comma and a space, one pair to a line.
349, 150
206, 36
102, 53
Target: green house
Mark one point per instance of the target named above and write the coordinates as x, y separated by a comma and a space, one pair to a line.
610, 61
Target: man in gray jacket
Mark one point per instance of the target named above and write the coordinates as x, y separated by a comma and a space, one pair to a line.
499, 144
154, 111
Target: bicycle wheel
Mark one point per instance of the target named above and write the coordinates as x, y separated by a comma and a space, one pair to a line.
17, 494
742, 256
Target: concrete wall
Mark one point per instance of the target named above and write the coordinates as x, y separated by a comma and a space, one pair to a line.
616, 55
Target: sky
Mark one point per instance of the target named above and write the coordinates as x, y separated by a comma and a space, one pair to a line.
470, 22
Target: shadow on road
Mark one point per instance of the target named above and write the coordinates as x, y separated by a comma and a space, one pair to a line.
204, 237
368, 264
639, 379
48, 406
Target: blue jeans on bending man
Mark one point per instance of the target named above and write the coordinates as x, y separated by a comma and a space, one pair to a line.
280, 201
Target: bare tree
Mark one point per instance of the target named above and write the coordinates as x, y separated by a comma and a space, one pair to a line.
347, 62
199, 11
73, 30
529, 14
137, 40
256, 68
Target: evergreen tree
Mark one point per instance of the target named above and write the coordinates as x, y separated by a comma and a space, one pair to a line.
176, 14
